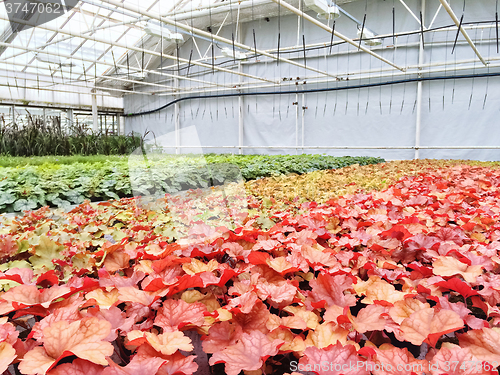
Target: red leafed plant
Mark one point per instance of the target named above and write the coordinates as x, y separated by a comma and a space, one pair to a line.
404, 280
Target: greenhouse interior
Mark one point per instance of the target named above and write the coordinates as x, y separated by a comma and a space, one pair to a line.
249, 187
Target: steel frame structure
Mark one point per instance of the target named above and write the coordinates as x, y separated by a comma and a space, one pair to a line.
177, 16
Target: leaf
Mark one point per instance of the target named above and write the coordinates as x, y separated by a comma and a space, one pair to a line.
381, 290
8, 246
175, 363
30, 295
331, 290
82, 338
344, 357
115, 261
105, 299
282, 292
24, 205
247, 354
138, 365
369, 319
311, 319
197, 266
392, 360
483, 344
447, 357
179, 364
131, 294
8, 333
45, 252
459, 286
7, 198
404, 309
220, 336
327, 334
281, 265
7, 355
428, 325
77, 367
449, 266
175, 314
166, 343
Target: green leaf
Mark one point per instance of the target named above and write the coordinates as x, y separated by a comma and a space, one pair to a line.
61, 203
74, 197
7, 198
46, 251
25, 205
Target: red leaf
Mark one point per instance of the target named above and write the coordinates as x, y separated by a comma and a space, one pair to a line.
458, 286
338, 359
186, 282
161, 264
331, 289
175, 314
77, 367
155, 285
247, 354
479, 303
367, 352
258, 257
48, 279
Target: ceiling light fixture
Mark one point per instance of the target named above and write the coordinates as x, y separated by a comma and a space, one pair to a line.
48, 59
163, 32
370, 37
228, 52
324, 9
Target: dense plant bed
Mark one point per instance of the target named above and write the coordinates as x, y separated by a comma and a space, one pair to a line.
59, 184
403, 280
46, 136
323, 185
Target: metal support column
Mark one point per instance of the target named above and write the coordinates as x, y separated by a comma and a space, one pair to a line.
297, 124
69, 115
95, 119
119, 130
240, 100
240, 124
303, 120
177, 120
419, 89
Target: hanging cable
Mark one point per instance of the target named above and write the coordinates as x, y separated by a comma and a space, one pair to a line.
422, 30
304, 47
212, 41
496, 24
362, 31
377, 84
279, 32
487, 79
331, 39
394, 49
393, 24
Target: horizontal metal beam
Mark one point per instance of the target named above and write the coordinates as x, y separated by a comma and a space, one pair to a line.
57, 80
136, 49
194, 31
132, 69
355, 76
72, 84
351, 147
